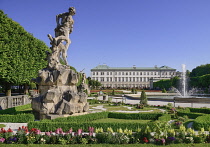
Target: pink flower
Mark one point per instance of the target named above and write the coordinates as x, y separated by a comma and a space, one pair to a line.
2, 140
91, 130
79, 132
48, 133
37, 131
70, 131
59, 131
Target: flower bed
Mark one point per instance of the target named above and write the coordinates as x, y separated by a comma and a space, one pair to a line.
161, 134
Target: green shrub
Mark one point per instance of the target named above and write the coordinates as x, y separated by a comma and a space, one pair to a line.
143, 98
82, 118
19, 118
144, 116
164, 90
202, 122
200, 110
190, 115
52, 126
165, 117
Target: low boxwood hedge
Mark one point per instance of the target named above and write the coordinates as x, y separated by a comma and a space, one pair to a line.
164, 117
52, 126
19, 118
202, 122
143, 116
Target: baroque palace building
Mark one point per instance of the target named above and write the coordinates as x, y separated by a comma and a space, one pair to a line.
130, 77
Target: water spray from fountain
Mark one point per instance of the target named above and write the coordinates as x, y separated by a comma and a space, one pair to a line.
183, 80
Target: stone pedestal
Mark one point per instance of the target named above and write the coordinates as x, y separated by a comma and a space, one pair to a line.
58, 93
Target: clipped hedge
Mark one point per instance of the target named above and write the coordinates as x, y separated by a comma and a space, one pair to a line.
15, 110
52, 126
82, 118
200, 110
190, 114
202, 122
19, 118
143, 116
165, 117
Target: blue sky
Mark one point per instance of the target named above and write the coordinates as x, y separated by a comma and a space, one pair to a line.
123, 33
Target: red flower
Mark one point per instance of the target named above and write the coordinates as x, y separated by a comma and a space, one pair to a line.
9, 130
145, 140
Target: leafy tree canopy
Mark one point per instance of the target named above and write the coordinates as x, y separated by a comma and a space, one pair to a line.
21, 54
200, 70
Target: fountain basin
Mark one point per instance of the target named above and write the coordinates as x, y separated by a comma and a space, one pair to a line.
191, 99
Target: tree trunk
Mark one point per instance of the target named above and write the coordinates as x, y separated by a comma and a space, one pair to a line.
26, 87
8, 90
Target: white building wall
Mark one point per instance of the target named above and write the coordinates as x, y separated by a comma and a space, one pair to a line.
129, 78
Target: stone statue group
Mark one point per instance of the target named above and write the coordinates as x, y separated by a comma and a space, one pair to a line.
59, 92
61, 42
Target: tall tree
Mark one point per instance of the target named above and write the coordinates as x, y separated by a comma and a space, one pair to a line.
143, 98
21, 54
200, 70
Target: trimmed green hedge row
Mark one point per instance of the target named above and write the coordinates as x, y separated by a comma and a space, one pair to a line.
15, 110
84, 121
102, 115
144, 116
19, 118
190, 115
164, 117
200, 110
202, 122
52, 126
82, 118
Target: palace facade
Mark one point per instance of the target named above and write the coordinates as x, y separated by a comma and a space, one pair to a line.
129, 77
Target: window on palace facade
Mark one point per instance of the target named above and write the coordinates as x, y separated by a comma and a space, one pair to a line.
93, 73
137, 73
140, 73
107, 79
110, 73
107, 73
119, 73
126, 73
102, 73
130, 73
119, 79
102, 79
151, 73
126, 79
145, 73
130, 79
133, 79
96, 73
137, 79
133, 73
96, 79
122, 73
115, 79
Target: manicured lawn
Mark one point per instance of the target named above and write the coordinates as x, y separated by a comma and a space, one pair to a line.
113, 120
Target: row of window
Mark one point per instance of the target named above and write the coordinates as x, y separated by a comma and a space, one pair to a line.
122, 79
134, 73
127, 85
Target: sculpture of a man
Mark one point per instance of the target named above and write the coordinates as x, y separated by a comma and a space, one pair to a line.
64, 28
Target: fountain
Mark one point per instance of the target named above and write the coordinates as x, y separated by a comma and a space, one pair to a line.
186, 97
184, 81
